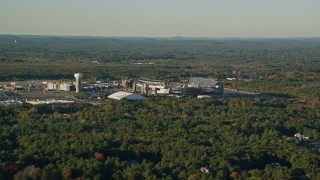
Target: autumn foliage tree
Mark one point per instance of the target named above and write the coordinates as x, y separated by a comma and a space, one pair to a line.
100, 156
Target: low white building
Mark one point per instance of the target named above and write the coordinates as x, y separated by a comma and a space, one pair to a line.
49, 101
10, 103
163, 91
204, 97
66, 86
53, 86
130, 96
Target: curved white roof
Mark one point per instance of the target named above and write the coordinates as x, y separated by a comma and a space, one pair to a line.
119, 95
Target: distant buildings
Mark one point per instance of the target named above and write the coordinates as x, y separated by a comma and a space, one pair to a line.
150, 87
198, 87
66, 86
195, 87
9, 88
53, 86
60, 86
202, 87
127, 83
12, 87
206, 85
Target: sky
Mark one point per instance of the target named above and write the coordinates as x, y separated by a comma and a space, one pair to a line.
162, 18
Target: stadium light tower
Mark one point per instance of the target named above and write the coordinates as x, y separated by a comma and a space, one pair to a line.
78, 77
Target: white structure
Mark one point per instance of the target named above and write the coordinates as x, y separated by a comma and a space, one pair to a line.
78, 77
65, 86
151, 87
204, 97
163, 91
10, 103
120, 95
231, 79
53, 86
204, 169
49, 101
300, 136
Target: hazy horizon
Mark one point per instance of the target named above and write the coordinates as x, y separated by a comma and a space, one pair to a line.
169, 37
149, 18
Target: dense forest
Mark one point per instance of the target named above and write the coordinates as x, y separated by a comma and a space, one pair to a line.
165, 138
161, 138
273, 65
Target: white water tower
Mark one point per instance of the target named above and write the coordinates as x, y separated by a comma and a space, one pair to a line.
78, 77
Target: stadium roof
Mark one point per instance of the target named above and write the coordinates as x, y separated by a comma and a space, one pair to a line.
120, 95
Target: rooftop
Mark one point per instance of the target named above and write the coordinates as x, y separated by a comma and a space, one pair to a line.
202, 82
120, 95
